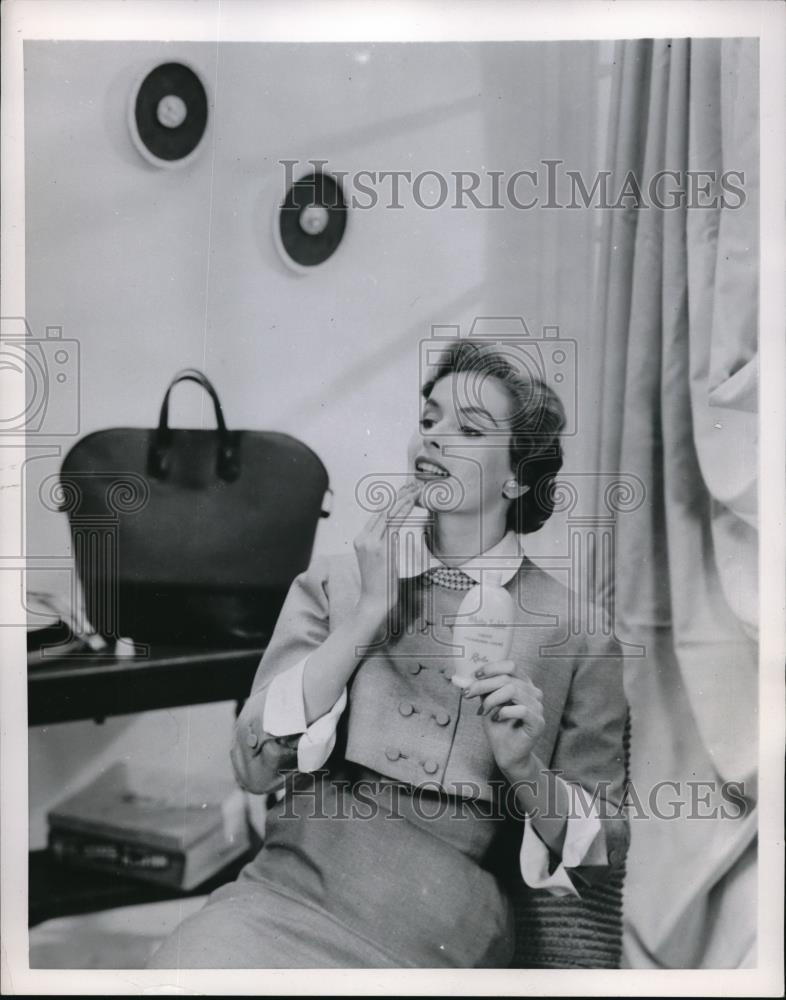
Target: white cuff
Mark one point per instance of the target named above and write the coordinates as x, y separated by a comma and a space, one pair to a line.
285, 712
285, 715
581, 846
317, 742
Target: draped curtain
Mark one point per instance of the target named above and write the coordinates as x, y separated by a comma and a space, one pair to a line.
676, 310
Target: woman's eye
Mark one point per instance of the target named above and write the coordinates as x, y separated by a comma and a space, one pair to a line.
470, 431
426, 423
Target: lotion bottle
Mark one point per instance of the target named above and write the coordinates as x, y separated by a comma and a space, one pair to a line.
484, 632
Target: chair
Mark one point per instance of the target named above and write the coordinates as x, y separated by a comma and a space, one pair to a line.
564, 932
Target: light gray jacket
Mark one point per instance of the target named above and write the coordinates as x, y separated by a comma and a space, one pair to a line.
406, 720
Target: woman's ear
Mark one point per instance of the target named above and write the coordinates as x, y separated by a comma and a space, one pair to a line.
512, 490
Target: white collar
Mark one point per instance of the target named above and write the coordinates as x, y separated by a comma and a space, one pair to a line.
504, 558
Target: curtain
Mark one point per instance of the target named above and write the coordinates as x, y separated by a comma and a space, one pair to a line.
676, 371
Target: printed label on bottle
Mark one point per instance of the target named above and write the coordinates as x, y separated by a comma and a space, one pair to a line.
485, 635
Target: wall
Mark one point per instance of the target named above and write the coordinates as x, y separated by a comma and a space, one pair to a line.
153, 270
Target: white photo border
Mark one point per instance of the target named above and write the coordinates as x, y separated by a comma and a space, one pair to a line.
417, 20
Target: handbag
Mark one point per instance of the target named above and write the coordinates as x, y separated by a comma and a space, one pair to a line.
190, 537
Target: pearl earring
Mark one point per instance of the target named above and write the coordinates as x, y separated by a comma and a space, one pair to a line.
513, 490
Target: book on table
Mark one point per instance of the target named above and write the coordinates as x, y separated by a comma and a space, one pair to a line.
151, 823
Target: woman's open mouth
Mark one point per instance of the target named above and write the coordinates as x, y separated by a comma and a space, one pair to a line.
426, 469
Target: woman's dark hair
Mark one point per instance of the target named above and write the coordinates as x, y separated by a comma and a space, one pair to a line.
537, 420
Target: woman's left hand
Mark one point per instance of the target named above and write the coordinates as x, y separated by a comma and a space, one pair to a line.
512, 709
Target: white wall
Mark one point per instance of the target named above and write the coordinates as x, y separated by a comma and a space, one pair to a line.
153, 270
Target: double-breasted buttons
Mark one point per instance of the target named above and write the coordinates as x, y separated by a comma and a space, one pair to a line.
406, 708
252, 740
615, 856
441, 717
393, 753
430, 766
415, 667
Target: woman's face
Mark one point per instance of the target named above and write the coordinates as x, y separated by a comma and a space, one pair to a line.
461, 452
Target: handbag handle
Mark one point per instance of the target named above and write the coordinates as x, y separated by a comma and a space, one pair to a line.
227, 464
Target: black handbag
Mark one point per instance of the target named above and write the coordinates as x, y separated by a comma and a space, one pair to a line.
190, 537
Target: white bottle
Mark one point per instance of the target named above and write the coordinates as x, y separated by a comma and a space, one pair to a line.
484, 629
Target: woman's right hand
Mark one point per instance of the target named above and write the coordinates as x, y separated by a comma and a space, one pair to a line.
378, 571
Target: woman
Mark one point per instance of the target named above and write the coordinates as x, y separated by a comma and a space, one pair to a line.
412, 805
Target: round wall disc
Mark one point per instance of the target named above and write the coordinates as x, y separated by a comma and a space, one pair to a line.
169, 114
312, 219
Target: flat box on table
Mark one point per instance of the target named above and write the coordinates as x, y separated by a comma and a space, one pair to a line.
153, 824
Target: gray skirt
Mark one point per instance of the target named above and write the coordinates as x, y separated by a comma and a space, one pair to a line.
358, 872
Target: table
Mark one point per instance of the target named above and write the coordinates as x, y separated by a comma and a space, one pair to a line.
57, 890
95, 685
88, 685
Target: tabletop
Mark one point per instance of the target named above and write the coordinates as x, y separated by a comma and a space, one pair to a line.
65, 684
